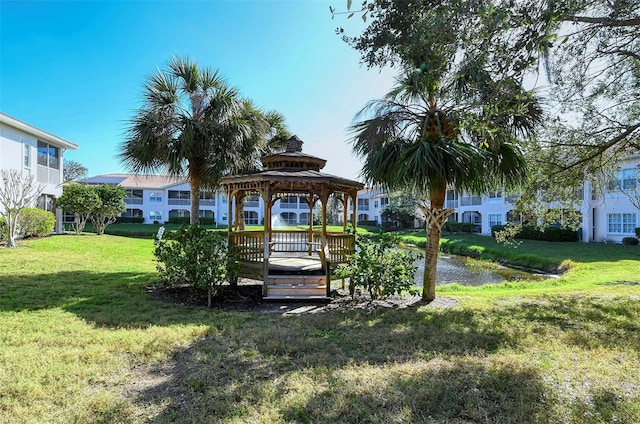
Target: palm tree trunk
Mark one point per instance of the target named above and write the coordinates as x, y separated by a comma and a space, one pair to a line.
195, 181
436, 217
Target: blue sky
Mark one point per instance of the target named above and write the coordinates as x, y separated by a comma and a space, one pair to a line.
76, 68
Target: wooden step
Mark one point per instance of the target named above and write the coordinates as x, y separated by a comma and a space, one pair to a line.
297, 298
292, 289
313, 280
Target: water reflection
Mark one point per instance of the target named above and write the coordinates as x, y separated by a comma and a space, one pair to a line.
468, 272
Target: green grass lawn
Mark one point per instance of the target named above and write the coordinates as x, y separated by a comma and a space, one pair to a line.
80, 341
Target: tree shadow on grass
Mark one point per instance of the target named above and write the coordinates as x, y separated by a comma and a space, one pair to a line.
302, 372
116, 300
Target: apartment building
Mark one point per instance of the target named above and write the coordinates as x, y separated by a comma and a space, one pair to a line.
33, 151
605, 218
157, 198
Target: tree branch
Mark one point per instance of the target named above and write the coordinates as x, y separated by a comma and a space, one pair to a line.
603, 21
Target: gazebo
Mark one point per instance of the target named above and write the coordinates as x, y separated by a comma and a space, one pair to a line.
293, 263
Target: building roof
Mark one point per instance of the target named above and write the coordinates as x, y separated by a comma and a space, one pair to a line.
136, 181
36, 132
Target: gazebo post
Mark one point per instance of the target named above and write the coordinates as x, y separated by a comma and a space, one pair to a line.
266, 197
345, 206
354, 217
229, 210
311, 203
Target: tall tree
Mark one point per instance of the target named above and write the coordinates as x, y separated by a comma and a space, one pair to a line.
437, 129
586, 52
17, 192
73, 171
193, 124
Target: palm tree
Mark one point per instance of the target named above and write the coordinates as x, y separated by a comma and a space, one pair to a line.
426, 136
193, 124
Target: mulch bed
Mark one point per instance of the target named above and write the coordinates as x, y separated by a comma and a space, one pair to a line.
247, 296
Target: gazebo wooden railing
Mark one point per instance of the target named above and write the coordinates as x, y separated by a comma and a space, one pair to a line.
248, 246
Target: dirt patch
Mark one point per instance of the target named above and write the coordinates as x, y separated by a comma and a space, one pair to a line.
247, 296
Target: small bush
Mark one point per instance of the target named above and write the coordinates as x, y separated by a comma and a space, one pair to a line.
532, 232
4, 230
459, 227
195, 256
370, 223
379, 268
34, 222
631, 241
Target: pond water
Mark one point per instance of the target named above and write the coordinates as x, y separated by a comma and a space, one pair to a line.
471, 272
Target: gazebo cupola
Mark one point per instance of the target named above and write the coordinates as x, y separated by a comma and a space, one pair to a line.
293, 158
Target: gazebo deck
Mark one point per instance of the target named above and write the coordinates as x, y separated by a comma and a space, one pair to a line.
279, 263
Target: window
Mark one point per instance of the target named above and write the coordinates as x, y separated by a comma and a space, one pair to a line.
363, 204
155, 197
155, 216
133, 197
27, 155
289, 218
469, 200
252, 202
48, 155
207, 198
495, 195
626, 179
178, 213
179, 197
452, 199
251, 217
225, 216
621, 223
289, 202
363, 217
495, 219
375, 204
132, 213
384, 202
304, 218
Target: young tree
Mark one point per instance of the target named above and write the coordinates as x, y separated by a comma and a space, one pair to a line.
192, 123
81, 200
111, 204
74, 171
17, 192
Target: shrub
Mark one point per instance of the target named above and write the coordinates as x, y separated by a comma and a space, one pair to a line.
4, 230
532, 232
631, 241
195, 256
34, 222
379, 268
459, 227
370, 223
185, 220
129, 220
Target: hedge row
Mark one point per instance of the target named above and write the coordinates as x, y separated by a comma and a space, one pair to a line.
531, 232
129, 220
459, 227
184, 220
